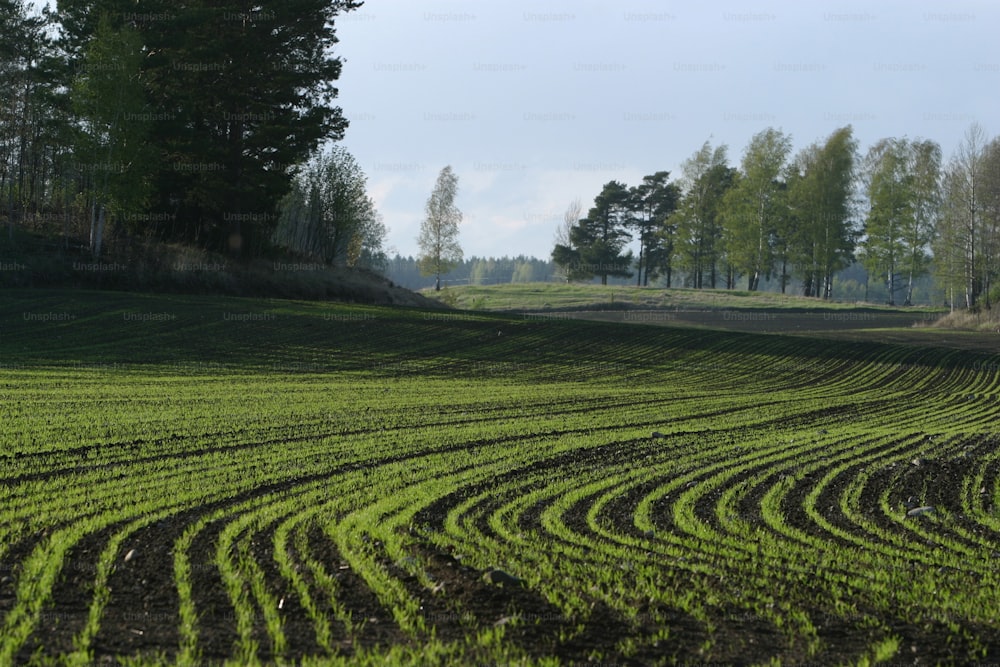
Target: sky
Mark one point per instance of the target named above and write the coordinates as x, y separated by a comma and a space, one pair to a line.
535, 104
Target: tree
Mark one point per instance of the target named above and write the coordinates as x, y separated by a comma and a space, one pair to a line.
438, 240
565, 255
961, 220
821, 184
239, 92
597, 241
901, 184
990, 222
14, 72
109, 101
755, 208
366, 249
328, 214
653, 201
887, 185
524, 272
706, 177
28, 127
925, 204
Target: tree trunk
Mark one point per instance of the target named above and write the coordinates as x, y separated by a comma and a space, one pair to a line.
93, 223
638, 279
99, 238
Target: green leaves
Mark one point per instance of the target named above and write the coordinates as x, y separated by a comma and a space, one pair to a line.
902, 185
235, 96
440, 250
755, 217
596, 242
328, 214
109, 97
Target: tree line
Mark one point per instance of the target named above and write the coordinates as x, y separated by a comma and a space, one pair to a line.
898, 210
203, 123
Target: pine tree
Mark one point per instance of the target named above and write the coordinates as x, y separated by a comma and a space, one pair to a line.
240, 93
109, 100
597, 241
654, 200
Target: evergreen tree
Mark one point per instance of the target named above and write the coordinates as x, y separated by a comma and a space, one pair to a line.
653, 201
239, 94
108, 99
30, 141
597, 241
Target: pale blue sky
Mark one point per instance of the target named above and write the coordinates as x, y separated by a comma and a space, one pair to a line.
537, 103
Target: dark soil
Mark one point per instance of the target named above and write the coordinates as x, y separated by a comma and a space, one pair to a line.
852, 325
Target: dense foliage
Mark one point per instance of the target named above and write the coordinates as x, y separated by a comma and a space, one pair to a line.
781, 219
184, 122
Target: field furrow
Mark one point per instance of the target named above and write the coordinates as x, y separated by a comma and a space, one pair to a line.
360, 486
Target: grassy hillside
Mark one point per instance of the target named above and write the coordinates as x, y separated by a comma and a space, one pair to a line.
751, 312
36, 261
204, 480
570, 296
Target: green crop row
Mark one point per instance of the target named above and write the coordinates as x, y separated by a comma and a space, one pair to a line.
353, 485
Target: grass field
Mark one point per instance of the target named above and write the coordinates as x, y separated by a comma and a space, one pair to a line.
577, 296
205, 480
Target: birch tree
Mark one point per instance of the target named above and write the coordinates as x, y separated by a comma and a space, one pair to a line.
753, 209
440, 251
705, 179
821, 196
961, 221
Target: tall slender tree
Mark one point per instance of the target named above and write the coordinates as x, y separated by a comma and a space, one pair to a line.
754, 209
565, 255
27, 130
821, 196
925, 204
109, 100
653, 201
706, 177
438, 240
961, 222
990, 221
888, 184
